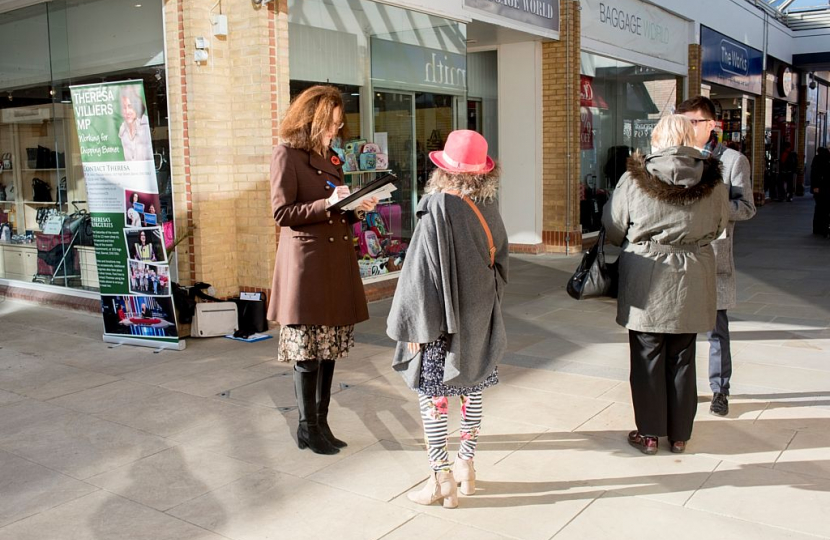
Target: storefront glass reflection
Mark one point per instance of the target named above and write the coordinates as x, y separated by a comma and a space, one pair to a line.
403, 76
45, 230
620, 105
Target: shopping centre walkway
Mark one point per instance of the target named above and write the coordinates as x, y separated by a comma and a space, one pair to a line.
121, 443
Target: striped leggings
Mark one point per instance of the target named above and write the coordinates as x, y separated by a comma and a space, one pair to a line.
434, 414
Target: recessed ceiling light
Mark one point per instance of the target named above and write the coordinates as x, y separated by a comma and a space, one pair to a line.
138, 5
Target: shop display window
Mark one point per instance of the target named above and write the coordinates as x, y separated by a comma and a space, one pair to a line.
45, 228
620, 104
403, 77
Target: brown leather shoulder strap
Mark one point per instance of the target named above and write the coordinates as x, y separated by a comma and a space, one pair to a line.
471, 204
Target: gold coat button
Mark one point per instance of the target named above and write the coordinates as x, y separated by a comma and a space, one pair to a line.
331, 222
331, 239
345, 237
319, 172
342, 221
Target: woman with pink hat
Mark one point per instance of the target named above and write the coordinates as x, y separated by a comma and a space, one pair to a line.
446, 314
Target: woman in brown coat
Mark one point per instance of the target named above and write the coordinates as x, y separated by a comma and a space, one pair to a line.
317, 296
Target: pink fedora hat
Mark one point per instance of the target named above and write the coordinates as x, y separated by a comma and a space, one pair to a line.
465, 152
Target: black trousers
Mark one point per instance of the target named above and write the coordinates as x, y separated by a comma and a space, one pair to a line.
785, 187
821, 216
663, 383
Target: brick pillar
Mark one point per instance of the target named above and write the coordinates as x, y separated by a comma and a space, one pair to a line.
758, 145
561, 231
801, 145
221, 132
694, 71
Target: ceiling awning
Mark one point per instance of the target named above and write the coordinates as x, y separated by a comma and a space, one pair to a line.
798, 14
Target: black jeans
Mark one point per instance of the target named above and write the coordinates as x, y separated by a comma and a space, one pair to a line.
785, 187
663, 383
821, 216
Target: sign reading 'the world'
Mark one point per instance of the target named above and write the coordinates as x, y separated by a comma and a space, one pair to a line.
543, 14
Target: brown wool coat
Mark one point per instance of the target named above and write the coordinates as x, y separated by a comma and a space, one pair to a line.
316, 277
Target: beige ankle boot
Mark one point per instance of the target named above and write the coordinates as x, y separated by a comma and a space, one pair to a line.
439, 486
464, 473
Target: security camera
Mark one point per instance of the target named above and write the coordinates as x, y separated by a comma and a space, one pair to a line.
812, 77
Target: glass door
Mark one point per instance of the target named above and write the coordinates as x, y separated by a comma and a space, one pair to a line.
395, 117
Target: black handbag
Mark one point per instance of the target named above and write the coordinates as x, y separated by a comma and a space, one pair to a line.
41, 191
594, 277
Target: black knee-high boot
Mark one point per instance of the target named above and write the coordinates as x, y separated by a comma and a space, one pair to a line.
308, 430
324, 379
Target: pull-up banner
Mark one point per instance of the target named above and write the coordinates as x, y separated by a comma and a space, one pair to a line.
123, 196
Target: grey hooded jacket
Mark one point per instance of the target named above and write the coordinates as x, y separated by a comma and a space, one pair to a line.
667, 210
737, 176
447, 287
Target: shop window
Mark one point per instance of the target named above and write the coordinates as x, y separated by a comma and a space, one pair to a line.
45, 231
621, 104
413, 67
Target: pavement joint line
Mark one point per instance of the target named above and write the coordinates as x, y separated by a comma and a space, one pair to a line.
765, 409
565, 526
398, 527
610, 404
754, 522
781, 453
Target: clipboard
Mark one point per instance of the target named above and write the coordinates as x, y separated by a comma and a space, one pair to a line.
366, 191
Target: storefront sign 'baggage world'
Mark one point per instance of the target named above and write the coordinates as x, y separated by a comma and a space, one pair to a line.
543, 14
127, 219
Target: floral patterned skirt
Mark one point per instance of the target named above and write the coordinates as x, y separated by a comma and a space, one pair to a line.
431, 383
300, 342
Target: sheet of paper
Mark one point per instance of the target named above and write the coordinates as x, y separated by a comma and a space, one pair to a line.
383, 193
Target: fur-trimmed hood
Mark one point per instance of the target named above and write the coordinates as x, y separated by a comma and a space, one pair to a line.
679, 176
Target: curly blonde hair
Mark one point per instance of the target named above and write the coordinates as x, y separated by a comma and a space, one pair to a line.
479, 187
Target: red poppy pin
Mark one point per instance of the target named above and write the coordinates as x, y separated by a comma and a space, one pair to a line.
335, 160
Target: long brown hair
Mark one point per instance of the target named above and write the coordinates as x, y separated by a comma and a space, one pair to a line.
309, 116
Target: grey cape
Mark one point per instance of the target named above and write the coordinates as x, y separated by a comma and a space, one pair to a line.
667, 210
446, 287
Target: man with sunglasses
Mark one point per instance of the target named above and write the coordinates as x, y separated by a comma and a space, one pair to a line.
737, 176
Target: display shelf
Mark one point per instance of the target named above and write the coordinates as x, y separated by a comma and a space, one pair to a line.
8, 202
46, 203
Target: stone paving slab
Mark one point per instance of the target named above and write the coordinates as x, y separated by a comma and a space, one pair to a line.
99, 442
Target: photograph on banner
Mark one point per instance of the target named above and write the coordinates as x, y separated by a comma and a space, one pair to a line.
150, 279
134, 131
138, 315
145, 244
141, 209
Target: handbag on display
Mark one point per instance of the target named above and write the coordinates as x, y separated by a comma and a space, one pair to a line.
7, 161
41, 191
594, 277
44, 158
